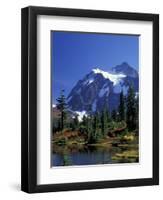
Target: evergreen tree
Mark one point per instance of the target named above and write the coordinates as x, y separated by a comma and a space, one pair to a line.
121, 108
96, 132
108, 116
62, 106
89, 128
131, 109
114, 115
76, 122
104, 122
83, 125
84, 121
137, 112
71, 125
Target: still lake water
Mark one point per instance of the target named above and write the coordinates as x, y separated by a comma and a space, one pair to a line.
88, 156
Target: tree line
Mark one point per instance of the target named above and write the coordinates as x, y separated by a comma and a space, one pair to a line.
96, 125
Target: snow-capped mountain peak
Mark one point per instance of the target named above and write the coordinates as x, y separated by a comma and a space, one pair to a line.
99, 89
115, 78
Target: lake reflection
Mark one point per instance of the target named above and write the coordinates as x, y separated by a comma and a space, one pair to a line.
90, 155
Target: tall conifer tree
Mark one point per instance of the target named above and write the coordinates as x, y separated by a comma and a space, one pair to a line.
62, 106
104, 122
131, 109
121, 108
114, 115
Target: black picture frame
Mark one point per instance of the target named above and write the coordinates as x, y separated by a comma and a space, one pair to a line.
29, 99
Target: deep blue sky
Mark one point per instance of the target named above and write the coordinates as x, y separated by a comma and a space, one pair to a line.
75, 54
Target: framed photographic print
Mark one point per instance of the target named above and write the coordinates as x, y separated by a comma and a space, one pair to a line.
90, 99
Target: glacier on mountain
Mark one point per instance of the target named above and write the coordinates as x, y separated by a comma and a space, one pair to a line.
115, 78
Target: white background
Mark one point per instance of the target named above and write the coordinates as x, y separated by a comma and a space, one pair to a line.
47, 175
10, 100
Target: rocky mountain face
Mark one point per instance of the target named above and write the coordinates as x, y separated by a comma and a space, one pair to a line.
100, 89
